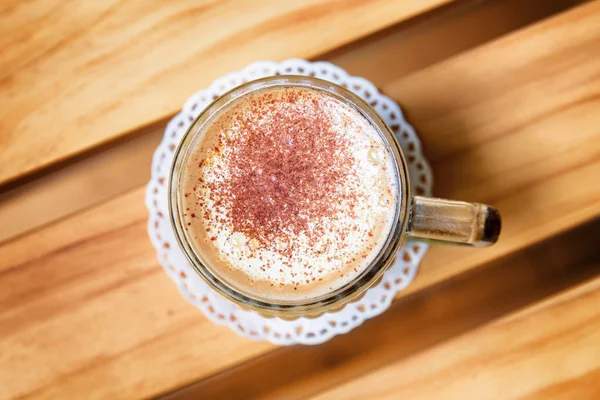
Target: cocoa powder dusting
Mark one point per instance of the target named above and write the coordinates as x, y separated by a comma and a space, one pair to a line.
281, 172
285, 173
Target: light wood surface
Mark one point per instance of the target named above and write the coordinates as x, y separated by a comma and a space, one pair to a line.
80, 184
515, 124
113, 66
86, 312
97, 269
85, 305
547, 351
89, 180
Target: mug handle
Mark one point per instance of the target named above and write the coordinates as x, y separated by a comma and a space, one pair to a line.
457, 222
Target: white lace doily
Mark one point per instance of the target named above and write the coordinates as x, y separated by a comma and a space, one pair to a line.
224, 312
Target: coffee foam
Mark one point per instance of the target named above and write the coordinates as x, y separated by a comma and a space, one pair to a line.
289, 194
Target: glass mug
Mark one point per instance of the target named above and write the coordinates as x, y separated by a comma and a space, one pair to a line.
416, 217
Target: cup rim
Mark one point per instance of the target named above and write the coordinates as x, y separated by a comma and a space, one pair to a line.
331, 300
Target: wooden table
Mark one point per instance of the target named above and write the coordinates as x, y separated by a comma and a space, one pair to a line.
505, 95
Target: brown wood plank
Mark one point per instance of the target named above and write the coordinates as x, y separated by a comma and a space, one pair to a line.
75, 75
515, 123
80, 308
413, 324
92, 179
547, 351
95, 273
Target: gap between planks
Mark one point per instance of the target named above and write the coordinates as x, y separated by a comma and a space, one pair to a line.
546, 351
414, 324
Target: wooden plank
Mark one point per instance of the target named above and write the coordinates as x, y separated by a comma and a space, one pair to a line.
85, 182
387, 56
515, 124
74, 75
413, 324
80, 309
95, 273
82, 183
547, 351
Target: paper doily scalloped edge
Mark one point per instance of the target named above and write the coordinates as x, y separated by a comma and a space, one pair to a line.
247, 323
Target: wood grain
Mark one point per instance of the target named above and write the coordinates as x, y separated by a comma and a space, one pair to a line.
84, 304
413, 324
81, 307
74, 75
394, 53
91, 179
547, 351
515, 124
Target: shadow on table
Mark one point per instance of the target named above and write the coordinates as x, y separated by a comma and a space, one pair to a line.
414, 323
